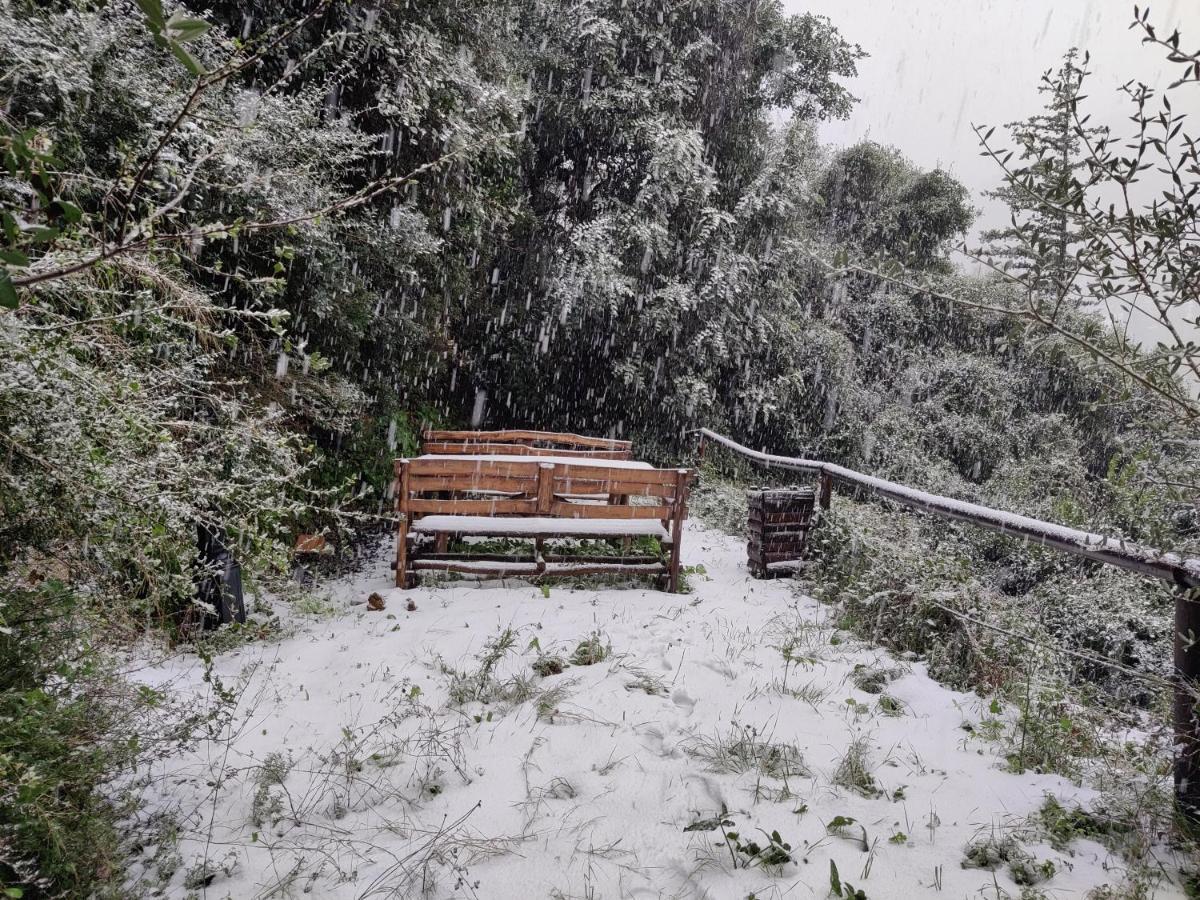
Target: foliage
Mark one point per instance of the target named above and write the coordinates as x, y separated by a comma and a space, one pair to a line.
1113, 222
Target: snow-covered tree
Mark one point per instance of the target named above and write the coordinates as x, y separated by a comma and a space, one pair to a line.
1038, 246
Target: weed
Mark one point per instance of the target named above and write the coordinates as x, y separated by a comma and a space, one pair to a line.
872, 679
993, 851
647, 683
547, 665
843, 889
889, 705
549, 700
812, 693
482, 685
1064, 825
266, 808
776, 852
854, 770
743, 749
1027, 871
841, 827
590, 650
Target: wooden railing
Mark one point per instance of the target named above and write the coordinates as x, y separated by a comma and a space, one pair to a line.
1183, 573
1113, 551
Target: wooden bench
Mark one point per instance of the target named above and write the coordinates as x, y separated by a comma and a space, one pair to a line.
440, 498
524, 443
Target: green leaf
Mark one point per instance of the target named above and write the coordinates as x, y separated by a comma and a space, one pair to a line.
183, 29
66, 209
835, 881
186, 58
14, 258
415, 692
8, 293
154, 13
41, 233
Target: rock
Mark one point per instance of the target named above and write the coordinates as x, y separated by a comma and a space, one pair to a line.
411, 605
375, 602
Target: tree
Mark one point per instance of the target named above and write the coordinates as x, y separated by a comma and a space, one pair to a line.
1038, 246
1127, 212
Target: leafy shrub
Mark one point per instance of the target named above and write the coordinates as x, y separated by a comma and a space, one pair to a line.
68, 724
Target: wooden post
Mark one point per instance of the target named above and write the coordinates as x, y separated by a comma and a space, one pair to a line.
677, 514
402, 580
700, 449
826, 491
1187, 706
545, 502
545, 488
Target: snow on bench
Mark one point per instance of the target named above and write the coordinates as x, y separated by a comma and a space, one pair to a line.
543, 526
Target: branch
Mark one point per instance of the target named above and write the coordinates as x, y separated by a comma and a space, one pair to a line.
363, 196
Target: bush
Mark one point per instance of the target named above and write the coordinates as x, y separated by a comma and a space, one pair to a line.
59, 716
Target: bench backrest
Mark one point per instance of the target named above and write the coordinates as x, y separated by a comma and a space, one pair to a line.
525, 443
435, 486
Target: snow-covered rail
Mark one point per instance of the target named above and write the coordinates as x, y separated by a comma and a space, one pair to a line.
1113, 551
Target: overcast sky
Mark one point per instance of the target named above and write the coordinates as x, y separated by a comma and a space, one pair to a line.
936, 66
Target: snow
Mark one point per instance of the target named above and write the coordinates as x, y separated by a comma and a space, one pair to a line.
492, 525
553, 460
523, 568
393, 790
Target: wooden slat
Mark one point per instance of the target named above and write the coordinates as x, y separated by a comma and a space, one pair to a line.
615, 486
465, 567
451, 448
472, 507
483, 468
584, 472
462, 482
605, 511
517, 435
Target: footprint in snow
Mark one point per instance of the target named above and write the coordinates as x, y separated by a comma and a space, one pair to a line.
685, 703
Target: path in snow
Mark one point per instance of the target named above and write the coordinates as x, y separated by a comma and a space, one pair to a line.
385, 790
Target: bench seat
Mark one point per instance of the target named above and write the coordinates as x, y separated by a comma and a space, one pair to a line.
540, 526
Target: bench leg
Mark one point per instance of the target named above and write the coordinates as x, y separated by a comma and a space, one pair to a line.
673, 570
403, 576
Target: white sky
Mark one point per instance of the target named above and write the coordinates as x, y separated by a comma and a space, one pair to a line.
937, 66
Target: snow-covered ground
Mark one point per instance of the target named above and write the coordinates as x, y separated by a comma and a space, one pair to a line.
347, 770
